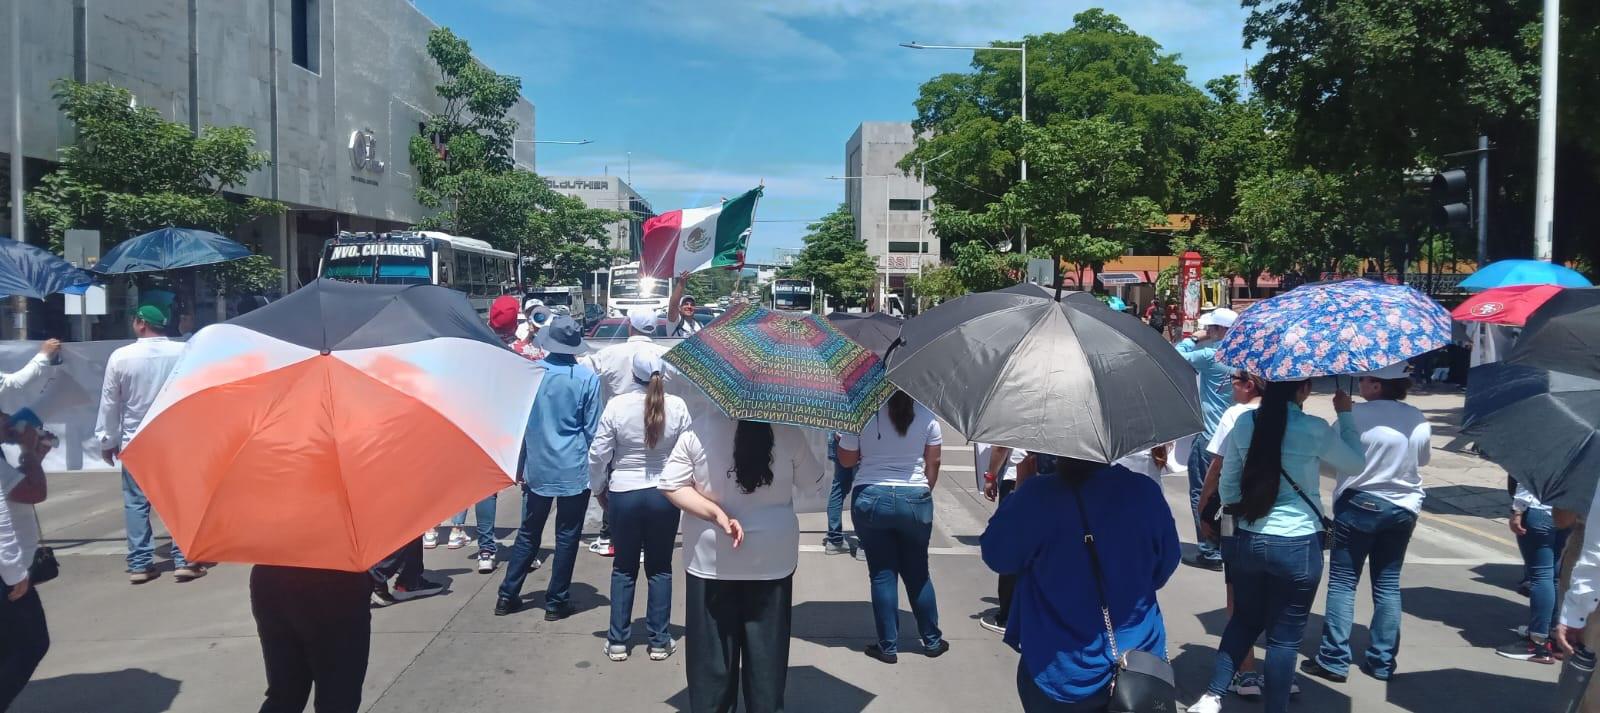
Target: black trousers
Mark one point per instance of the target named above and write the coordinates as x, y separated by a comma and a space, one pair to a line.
1008, 582
24, 639
316, 628
405, 565
737, 636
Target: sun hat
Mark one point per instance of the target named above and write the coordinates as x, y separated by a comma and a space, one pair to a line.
1396, 370
562, 336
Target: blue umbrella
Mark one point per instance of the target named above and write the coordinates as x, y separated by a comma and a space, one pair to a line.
1334, 328
169, 249
37, 273
1506, 273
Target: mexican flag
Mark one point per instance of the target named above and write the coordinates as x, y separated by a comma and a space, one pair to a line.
695, 239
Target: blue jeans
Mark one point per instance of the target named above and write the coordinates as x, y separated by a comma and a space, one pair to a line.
642, 520
843, 479
1199, 463
1274, 583
136, 518
1541, 554
1373, 531
895, 524
569, 528
483, 513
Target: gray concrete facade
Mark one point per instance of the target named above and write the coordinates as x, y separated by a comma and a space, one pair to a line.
334, 90
885, 201
609, 193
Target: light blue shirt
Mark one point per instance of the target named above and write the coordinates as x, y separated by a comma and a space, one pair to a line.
1308, 442
1216, 384
561, 428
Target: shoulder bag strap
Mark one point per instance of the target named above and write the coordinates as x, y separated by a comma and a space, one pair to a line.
1304, 498
1099, 577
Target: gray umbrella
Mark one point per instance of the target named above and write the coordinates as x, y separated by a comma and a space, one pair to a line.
1072, 378
1542, 426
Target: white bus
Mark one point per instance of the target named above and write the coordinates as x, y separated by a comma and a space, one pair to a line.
421, 258
627, 289
792, 295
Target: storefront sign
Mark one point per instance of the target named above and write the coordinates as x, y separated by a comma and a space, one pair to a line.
578, 185
364, 151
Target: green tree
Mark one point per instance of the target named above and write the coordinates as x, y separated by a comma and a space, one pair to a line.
937, 285
1097, 69
1389, 86
131, 171
463, 159
834, 260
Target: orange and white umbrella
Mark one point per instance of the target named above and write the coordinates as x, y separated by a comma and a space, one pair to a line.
329, 428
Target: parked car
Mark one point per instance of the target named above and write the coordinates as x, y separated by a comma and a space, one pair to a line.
617, 328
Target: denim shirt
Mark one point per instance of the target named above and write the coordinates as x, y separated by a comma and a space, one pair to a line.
566, 412
1216, 385
1308, 442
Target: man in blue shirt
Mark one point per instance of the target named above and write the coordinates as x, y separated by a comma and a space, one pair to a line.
555, 469
1216, 395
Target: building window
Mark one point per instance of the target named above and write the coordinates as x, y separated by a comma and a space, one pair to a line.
896, 246
904, 204
305, 41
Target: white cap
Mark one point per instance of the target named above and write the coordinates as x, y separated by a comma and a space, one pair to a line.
645, 364
643, 320
531, 303
1222, 317
1396, 370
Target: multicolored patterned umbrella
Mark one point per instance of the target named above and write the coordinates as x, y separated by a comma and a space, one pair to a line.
760, 365
1334, 328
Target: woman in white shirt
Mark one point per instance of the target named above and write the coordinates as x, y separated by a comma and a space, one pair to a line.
739, 481
636, 434
26, 636
897, 465
1374, 513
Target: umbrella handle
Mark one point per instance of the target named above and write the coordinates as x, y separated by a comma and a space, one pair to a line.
892, 346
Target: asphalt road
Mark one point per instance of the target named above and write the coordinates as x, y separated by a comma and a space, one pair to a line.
192, 647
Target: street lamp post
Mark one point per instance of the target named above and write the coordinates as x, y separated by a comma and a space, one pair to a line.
1023, 48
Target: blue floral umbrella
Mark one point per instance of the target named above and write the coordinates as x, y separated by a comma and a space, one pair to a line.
169, 249
1334, 329
33, 272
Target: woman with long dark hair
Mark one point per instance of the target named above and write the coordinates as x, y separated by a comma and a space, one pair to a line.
1066, 597
1270, 486
738, 480
637, 432
896, 458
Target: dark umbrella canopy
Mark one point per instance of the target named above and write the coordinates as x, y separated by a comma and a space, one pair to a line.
1539, 425
1071, 378
169, 249
873, 330
1563, 335
33, 272
329, 315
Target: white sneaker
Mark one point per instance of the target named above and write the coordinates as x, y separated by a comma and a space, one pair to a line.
458, 539
617, 652
485, 563
1208, 703
665, 652
430, 539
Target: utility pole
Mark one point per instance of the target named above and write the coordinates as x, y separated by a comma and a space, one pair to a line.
1481, 201
19, 304
1545, 187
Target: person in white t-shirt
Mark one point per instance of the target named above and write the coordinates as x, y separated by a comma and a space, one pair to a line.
896, 458
1247, 388
997, 478
739, 480
636, 434
1374, 513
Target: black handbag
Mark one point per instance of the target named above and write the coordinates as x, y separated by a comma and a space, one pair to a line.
1142, 682
44, 567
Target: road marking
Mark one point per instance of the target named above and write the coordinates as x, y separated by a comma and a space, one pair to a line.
1437, 520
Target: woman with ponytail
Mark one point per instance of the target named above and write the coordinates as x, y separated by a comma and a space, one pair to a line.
637, 432
896, 458
1270, 486
739, 480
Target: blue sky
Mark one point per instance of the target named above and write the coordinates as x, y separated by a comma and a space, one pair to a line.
713, 96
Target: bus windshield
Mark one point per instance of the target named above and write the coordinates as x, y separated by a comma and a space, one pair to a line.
631, 285
552, 298
352, 263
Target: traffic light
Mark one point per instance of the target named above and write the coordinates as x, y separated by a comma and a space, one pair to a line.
1450, 200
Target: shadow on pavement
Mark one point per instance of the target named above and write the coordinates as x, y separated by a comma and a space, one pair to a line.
130, 690
848, 625
1482, 620
809, 689
1449, 690
1194, 664
1504, 576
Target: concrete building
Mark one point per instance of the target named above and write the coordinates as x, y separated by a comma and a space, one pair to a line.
887, 203
333, 90
610, 193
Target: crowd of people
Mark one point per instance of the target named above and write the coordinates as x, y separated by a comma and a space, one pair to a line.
1080, 548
